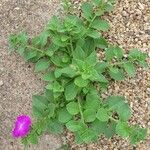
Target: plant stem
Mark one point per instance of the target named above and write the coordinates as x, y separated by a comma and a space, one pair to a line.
28, 46
71, 45
80, 109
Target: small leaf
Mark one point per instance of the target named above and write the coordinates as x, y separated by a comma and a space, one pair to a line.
27, 55
88, 135
137, 134
100, 25
89, 115
71, 91
87, 10
102, 114
55, 126
42, 65
49, 76
92, 100
101, 43
113, 51
72, 108
80, 82
74, 126
94, 34
64, 116
116, 74
130, 69
123, 129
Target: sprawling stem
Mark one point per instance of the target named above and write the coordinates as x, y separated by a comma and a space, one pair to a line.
80, 109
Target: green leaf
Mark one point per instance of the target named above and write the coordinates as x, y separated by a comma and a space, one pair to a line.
71, 91
39, 104
92, 99
118, 104
98, 127
27, 55
78, 53
101, 43
51, 50
64, 116
72, 108
113, 51
137, 134
41, 39
109, 131
116, 74
101, 66
89, 115
98, 77
100, 25
130, 69
102, 114
87, 10
136, 54
74, 125
42, 65
94, 34
57, 87
123, 129
88, 135
55, 126
67, 71
80, 82
92, 59
54, 24
49, 76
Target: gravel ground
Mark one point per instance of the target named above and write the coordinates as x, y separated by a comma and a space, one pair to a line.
130, 28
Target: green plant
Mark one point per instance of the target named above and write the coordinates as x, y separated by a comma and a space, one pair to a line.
65, 52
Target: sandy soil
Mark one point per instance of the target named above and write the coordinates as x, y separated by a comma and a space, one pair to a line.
130, 24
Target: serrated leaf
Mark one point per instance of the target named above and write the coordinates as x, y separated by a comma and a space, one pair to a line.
41, 39
113, 51
94, 34
92, 100
49, 76
80, 82
102, 114
71, 91
67, 71
98, 77
27, 55
89, 115
130, 69
74, 126
42, 65
101, 43
55, 126
101, 66
87, 10
137, 134
118, 104
72, 108
116, 74
51, 50
100, 25
123, 129
64, 116
88, 135
39, 104
136, 54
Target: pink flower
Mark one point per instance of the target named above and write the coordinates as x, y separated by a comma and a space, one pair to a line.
22, 126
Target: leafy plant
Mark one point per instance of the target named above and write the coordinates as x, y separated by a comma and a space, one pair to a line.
65, 52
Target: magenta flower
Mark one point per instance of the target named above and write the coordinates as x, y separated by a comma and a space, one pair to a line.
22, 126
